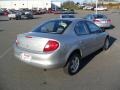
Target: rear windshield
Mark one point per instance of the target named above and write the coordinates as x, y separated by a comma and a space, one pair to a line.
67, 16
54, 26
100, 16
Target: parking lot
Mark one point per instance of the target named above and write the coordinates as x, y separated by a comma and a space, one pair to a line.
101, 70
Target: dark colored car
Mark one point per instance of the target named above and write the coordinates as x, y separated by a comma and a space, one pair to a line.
68, 11
20, 15
67, 16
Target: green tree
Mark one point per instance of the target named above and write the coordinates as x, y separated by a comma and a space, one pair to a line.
69, 5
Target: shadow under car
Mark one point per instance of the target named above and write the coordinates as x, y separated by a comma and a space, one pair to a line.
87, 59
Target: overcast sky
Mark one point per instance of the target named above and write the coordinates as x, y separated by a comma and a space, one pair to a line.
75, 0
79, 0
72, 0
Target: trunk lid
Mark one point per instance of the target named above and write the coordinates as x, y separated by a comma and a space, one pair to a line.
32, 42
102, 20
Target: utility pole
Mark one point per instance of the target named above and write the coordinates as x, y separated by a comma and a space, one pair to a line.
69, 3
27, 3
96, 6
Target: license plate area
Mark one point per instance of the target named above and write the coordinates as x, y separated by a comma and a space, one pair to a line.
25, 56
104, 21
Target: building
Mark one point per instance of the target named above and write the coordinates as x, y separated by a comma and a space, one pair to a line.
30, 4
56, 5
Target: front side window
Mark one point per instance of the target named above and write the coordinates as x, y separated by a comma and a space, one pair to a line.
54, 26
80, 29
92, 27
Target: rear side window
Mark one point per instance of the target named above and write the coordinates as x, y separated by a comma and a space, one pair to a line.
54, 26
80, 28
100, 16
92, 27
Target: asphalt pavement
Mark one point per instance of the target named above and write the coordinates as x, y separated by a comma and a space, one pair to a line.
101, 70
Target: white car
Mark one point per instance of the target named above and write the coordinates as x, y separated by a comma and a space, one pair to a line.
87, 8
60, 43
11, 15
101, 8
14, 15
20, 15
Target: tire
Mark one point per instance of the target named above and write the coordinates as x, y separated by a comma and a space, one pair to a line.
106, 44
18, 18
9, 18
73, 65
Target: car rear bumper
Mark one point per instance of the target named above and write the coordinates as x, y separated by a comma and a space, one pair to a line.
39, 60
104, 25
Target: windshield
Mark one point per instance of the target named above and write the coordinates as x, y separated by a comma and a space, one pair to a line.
54, 26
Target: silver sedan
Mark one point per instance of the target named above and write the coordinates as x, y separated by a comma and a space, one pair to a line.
100, 20
60, 43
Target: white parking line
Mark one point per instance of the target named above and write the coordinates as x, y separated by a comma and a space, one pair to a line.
5, 52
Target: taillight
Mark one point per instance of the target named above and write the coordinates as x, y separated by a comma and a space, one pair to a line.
110, 21
96, 20
51, 46
28, 36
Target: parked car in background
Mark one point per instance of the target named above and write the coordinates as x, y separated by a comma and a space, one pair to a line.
101, 8
88, 8
35, 12
50, 10
64, 12
67, 16
15, 14
60, 43
100, 20
57, 11
68, 12
42, 11
27, 15
39, 11
3, 11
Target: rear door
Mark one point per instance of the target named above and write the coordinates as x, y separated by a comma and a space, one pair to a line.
86, 40
97, 34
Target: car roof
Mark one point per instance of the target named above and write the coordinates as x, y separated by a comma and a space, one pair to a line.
70, 19
67, 14
96, 14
